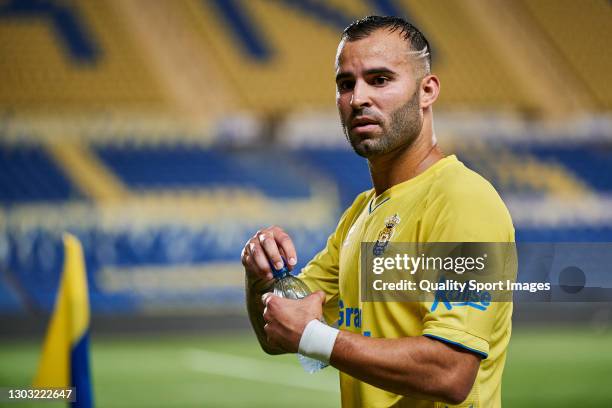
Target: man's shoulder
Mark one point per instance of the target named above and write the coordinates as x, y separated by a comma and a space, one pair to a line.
456, 183
462, 197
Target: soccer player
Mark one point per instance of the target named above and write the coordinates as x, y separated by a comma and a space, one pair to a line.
390, 354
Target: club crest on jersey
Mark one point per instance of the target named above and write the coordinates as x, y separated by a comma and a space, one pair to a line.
385, 235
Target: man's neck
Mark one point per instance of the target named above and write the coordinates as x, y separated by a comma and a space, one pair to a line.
405, 163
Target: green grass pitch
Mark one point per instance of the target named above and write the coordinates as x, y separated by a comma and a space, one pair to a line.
546, 368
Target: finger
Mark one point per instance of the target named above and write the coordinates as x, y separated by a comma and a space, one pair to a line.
265, 298
321, 295
317, 297
267, 241
246, 258
286, 244
258, 258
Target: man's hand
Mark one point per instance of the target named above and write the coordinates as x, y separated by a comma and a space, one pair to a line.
267, 245
286, 318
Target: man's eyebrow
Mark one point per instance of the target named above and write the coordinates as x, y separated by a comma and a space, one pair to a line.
379, 70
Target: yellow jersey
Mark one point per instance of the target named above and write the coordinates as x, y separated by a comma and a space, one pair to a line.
446, 203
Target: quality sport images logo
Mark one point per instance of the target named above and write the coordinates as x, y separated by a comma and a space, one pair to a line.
450, 298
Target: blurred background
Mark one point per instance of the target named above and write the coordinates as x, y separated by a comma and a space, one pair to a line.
165, 133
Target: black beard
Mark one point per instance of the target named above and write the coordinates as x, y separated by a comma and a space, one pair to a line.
405, 125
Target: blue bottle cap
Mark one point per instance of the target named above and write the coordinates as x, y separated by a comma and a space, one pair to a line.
280, 273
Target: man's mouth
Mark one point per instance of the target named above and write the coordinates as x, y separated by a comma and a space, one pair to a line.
364, 124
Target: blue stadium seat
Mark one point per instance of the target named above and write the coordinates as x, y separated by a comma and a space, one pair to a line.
27, 174
574, 234
344, 166
193, 167
592, 162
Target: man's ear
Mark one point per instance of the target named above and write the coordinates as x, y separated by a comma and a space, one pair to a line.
429, 90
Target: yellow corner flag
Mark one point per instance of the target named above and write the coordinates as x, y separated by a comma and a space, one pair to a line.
65, 354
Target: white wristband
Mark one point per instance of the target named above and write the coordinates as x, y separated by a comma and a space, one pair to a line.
318, 341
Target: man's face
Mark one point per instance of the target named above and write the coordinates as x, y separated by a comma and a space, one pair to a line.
377, 93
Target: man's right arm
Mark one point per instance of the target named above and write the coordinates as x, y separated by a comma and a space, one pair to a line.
269, 245
265, 247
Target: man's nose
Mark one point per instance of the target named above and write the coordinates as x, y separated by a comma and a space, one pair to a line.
361, 96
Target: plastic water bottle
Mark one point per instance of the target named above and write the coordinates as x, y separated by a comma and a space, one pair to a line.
288, 286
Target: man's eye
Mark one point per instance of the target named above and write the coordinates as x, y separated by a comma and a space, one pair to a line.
346, 85
380, 80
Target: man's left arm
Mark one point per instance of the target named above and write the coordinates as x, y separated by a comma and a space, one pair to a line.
418, 366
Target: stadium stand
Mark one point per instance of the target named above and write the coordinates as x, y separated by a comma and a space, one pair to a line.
262, 71
270, 57
159, 133
67, 56
125, 246
472, 70
189, 167
516, 170
28, 175
589, 162
579, 31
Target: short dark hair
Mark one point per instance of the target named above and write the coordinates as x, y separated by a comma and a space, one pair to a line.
360, 29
